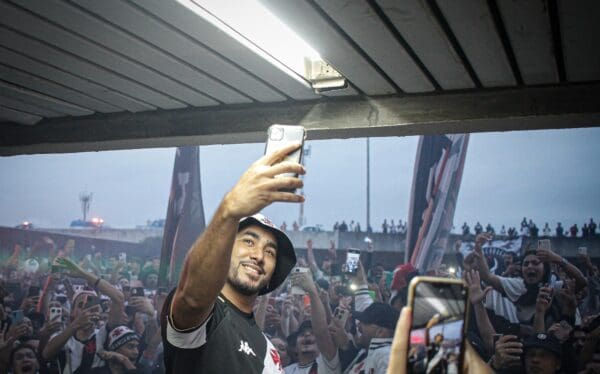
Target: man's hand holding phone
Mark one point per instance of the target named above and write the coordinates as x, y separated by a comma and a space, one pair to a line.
508, 351
304, 281
544, 299
545, 253
258, 187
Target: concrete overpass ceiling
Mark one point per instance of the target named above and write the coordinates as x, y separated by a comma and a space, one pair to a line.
86, 75
580, 36
472, 23
415, 23
529, 31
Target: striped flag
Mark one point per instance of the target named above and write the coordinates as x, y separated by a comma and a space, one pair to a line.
437, 175
185, 215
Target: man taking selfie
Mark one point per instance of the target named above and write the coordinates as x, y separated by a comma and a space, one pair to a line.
207, 321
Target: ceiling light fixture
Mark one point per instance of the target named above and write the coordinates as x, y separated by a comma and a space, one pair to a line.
252, 25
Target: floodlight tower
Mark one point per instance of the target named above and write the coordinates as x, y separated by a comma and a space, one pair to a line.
85, 198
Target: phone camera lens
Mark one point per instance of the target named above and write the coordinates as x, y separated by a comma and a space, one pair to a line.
276, 133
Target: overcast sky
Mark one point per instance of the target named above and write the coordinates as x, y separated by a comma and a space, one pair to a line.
549, 175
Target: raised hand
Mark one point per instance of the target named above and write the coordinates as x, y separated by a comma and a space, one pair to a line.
544, 299
476, 294
6, 340
87, 319
261, 184
69, 266
304, 281
508, 352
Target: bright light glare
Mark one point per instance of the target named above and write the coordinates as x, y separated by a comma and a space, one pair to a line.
254, 23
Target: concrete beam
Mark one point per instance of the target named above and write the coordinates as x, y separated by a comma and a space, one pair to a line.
563, 106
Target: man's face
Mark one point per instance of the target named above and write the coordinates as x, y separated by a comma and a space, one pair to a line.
579, 340
306, 342
151, 281
124, 282
253, 260
130, 350
508, 259
24, 361
367, 331
540, 361
27, 322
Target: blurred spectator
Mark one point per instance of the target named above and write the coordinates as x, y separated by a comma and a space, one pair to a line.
478, 228
546, 231
559, 230
574, 230
592, 227
584, 231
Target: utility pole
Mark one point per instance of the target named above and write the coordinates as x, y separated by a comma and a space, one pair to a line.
368, 185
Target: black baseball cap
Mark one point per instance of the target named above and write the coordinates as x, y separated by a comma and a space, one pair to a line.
286, 257
379, 314
544, 341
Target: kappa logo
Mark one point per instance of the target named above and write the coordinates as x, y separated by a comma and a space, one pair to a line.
244, 347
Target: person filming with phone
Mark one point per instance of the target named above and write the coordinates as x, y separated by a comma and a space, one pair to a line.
76, 346
207, 321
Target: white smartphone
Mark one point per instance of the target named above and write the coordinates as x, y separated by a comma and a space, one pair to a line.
295, 289
544, 244
342, 315
280, 136
55, 312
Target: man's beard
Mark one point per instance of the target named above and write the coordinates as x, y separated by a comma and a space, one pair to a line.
245, 289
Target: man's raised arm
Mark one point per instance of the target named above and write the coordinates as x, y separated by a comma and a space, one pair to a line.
207, 263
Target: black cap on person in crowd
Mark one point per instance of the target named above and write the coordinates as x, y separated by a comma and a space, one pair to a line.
544, 341
379, 314
286, 257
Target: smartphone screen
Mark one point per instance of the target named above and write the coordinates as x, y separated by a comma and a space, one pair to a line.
544, 244
16, 316
352, 260
438, 325
33, 291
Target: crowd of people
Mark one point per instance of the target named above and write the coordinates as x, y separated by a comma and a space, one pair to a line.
87, 314
246, 302
529, 228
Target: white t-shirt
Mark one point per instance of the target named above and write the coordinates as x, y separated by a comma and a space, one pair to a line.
324, 366
514, 288
75, 350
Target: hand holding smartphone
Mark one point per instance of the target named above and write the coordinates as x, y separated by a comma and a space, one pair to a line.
295, 289
352, 260
439, 311
280, 136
